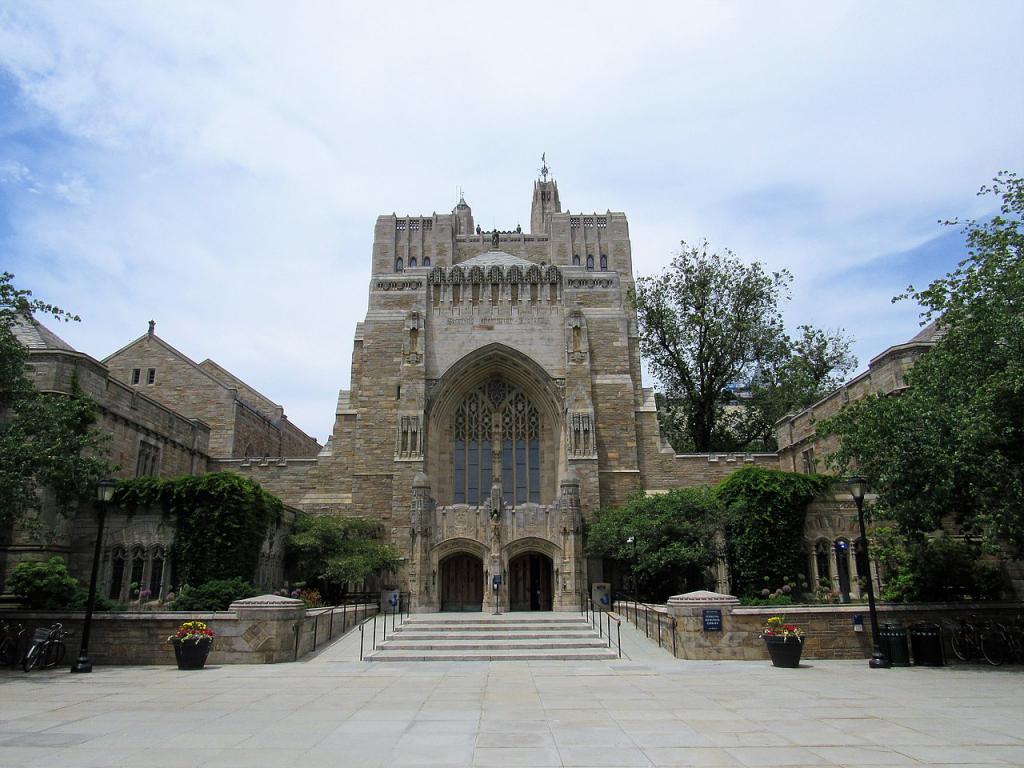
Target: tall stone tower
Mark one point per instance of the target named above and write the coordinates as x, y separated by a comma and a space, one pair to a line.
545, 201
463, 217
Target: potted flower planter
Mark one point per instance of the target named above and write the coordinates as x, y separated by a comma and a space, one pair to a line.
785, 642
192, 643
784, 651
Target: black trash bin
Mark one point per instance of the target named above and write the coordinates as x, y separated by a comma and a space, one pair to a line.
926, 644
893, 639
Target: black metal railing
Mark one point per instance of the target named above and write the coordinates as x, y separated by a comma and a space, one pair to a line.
656, 624
605, 622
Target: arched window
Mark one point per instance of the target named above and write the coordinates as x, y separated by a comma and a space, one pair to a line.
117, 561
156, 573
412, 262
426, 261
576, 260
604, 263
590, 263
399, 265
496, 419
821, 559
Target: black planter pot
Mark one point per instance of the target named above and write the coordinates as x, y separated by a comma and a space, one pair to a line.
191, 654
785, 652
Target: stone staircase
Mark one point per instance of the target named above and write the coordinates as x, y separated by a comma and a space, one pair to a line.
485, 637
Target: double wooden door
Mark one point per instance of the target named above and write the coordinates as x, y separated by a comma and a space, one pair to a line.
462, 583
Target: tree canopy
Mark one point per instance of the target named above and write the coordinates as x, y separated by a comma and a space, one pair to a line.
333, 552
712, 333
675, 535
952, 443
47, 443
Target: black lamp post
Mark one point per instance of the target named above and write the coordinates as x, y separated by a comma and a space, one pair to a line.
632, 542
858, 487
104, 495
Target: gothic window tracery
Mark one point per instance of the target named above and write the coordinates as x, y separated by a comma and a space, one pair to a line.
496, 422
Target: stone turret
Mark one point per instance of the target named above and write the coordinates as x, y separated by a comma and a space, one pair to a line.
545, 201
463, 217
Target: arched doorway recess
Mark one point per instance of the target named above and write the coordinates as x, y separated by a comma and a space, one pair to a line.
530, 582
462, 583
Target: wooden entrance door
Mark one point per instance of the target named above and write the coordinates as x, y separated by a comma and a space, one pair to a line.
529, 582
462, 583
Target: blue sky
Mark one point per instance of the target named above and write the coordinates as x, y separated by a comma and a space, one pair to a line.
218, 168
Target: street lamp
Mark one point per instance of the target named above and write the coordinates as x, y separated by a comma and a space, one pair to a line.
104, 495
858, 487
632, 542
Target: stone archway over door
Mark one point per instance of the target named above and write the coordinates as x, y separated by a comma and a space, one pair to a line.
529, 582
462, 583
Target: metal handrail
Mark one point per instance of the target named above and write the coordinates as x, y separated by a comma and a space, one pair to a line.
603, 627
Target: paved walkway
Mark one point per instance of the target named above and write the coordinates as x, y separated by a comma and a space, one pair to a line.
332, 710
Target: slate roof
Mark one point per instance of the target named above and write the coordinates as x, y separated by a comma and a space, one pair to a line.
34, 335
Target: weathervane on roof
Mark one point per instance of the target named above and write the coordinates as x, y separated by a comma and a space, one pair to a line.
544, 170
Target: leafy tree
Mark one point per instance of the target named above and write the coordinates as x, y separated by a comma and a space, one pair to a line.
47, 443
675, 536
333, 552
952, 443
712, 334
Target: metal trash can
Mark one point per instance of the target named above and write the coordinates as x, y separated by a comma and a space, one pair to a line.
926, 644
893, 639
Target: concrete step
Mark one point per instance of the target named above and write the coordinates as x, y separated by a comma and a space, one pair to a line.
483, 637
505, 655
402, 645
412, 634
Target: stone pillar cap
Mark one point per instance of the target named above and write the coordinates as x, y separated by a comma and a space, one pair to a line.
267, 603
703, 597
421, 480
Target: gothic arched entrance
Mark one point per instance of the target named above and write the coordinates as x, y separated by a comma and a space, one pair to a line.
462, 583
529, 582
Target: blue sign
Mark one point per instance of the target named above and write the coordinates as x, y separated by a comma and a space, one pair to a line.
712, 620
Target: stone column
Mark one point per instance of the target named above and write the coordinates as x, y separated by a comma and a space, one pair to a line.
566, 596
692, 642
851, 559
265, 631
420, 534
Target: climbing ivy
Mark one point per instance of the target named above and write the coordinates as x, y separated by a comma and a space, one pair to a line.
221, 520
765, 512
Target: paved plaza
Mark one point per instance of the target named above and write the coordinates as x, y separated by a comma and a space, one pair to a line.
649, 709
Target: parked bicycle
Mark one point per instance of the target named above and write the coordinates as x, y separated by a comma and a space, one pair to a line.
47, 649
11, 639
1004, 642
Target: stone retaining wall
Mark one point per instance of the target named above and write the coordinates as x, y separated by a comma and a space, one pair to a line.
829, 629
251, 633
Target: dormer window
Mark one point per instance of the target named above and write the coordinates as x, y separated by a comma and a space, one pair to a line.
426, 261
576, 260
590, 263
604, 263
412, 262
399, 265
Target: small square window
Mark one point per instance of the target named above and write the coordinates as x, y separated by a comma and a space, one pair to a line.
151, 376
136, 375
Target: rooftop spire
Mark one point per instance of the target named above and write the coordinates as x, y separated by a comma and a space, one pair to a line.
544, 170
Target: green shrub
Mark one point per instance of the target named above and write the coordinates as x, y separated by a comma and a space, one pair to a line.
45, 586
215, 595
773, 600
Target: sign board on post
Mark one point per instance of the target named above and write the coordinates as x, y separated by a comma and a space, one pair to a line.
712, 620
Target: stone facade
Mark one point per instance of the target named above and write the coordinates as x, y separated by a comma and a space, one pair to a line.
145, 437
495, 403
243, 422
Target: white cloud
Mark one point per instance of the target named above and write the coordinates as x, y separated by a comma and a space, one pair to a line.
219, 168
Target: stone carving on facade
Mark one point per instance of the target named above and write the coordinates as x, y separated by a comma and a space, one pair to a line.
578, 344
409, 445
582, 442
591, 282
412, 349
398, 285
